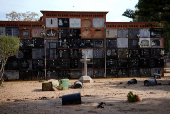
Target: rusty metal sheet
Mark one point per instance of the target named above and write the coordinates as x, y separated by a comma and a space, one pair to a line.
75, 23
98, 22
51, 22
111, 33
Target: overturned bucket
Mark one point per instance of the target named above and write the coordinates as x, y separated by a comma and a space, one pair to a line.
78, 84
71, 99
150, 82
132, 81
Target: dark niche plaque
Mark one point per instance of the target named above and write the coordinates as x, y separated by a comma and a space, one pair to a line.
111, 63
134, 72
133, 43
38, 42
98, 63
111, 73
145, 72
122, 63
87, 43
75, 33
99, 73
63, 22
133, 33
63, 33
24, 33
111, 43
145, 53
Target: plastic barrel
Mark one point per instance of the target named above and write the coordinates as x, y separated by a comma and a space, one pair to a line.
65, 83
132, 81
78, 84
71, 99
150, 82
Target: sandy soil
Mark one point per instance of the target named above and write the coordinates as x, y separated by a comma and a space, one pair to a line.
26, 98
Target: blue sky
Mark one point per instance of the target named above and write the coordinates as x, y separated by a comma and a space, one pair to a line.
115, 7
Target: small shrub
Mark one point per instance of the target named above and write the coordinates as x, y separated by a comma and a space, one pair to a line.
131, 97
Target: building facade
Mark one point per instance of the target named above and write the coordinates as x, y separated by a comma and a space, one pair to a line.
53, 47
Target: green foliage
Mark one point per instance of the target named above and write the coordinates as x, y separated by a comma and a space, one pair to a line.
9, 46
153, 11
131, 97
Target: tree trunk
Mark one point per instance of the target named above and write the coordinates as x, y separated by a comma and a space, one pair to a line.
2, 71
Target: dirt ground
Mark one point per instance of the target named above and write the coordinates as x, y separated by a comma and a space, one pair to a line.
26, 98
